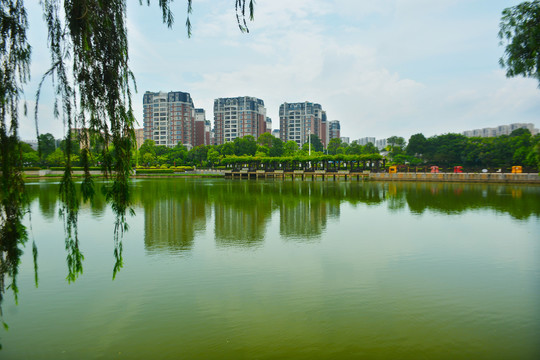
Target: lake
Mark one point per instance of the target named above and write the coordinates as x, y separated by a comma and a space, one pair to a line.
216, 269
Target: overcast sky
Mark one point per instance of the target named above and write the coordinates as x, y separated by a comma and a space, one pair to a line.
380, 67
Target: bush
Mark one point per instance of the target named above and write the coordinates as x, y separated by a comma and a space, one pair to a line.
31, 168
73, 168
155, 171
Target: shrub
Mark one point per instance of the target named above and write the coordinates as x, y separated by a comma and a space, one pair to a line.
155, 171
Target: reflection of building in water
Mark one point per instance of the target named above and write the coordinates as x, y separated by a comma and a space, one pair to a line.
240, 224
171, 224
305, 219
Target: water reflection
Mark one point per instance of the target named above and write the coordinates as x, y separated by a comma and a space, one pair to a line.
174, 212
177, 210
241, 212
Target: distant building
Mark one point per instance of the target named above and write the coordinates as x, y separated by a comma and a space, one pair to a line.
139, 137
268, 125
33, 143
238, 117
345, 140
381, 144
334, 129
324, 132
169, 118
365, 140
208, 133
298, 120
500, 130
275, 133
202, 128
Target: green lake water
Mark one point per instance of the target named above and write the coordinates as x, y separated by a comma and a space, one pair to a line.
221, 269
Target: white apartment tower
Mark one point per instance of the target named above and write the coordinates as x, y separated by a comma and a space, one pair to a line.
169, 118
238, 117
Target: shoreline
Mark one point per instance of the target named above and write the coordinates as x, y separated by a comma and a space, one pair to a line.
299, 175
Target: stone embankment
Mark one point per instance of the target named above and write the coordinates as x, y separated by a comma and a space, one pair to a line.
530, 178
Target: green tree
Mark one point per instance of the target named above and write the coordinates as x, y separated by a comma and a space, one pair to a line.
198, 155
277, 148
448, 149
316, 143
213, 156
148, 159
148, 146
226, 149
290, 148
520, 31
396, 144
416, 145
46, 144
354, 148
333, 146
177, 155
56, 158
265, 139
245, 146
30, 158
75, 146
370, 148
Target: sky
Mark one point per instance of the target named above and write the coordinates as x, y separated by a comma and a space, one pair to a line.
380, 67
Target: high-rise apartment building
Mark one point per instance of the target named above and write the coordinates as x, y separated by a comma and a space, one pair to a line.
298, 120
238, 117
334, 129
169, 118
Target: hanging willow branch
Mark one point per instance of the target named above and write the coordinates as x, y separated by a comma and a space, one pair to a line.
14, 72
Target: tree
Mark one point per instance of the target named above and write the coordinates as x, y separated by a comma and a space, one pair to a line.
354, 148
46, 144
56, 158
213, 156
148, 159
245, 146
417, 144
396, 143
148, 146
520, 30
198, 155
277, 147
316, 143
290, 148
333, 146
226, 149
265, 139
30, 158
369, 148
75, 146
